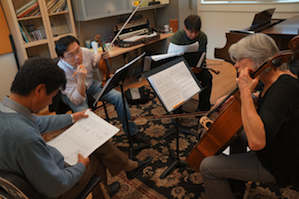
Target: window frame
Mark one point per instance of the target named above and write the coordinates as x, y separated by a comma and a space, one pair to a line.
248, 1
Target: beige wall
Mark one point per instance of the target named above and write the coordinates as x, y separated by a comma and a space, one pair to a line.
8, 68
217, 18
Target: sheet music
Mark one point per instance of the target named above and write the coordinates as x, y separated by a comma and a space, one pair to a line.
164, 56
173, 48
174, 85
138, 37
200, 60
84, 137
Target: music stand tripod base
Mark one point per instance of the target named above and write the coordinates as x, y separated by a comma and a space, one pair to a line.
132, 149
178, 162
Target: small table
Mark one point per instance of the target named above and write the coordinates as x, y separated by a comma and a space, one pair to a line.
119, 50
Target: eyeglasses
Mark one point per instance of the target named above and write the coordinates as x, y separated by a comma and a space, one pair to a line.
73, 55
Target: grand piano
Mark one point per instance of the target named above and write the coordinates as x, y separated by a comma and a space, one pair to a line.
281, 30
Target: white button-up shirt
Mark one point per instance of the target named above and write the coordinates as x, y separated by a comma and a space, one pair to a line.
90, 62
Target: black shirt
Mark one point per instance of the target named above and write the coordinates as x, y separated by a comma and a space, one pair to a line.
279, 110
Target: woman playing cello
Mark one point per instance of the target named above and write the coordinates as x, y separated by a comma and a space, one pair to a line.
270, 131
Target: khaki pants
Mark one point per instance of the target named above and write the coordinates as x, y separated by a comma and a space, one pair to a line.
107, 156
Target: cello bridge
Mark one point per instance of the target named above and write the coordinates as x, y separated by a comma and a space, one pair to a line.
205, 122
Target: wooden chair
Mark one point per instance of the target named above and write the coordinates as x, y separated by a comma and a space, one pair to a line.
13, 186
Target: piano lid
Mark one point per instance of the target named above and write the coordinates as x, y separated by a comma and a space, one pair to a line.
282, 31
261, 19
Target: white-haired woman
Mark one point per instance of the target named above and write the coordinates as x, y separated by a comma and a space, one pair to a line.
270, 131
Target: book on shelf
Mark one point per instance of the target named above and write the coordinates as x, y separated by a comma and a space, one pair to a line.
24, 7
23, 34
26, 32
54, 6
57, 6
51, 3
28, 10
63, 7
32, 33
34, 12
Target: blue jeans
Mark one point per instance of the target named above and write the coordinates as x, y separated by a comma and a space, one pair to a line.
113, 97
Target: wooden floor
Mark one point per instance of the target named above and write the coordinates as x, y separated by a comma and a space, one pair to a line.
223, 83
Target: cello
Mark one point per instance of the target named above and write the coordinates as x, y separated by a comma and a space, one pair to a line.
228, 124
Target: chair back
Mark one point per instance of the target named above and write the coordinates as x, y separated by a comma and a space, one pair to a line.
58, 105
15, 187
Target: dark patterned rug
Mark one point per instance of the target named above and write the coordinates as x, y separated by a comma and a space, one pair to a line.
182, 182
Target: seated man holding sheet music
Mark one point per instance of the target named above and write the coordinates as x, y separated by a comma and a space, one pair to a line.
24, 152
81, 86
190, 35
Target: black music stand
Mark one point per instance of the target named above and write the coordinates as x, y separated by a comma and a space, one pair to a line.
162, 92
193, 59
118, 80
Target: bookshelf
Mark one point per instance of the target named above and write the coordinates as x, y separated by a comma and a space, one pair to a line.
36, 25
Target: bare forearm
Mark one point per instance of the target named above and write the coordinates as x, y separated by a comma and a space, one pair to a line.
252, 123
81, 88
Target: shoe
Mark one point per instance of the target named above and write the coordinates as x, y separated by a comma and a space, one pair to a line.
141, 165
114, 188
237, 187
139, 138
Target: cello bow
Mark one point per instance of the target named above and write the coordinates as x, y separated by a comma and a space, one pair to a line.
105, 68
158, 117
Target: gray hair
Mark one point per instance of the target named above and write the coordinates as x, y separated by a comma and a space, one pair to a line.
258, 47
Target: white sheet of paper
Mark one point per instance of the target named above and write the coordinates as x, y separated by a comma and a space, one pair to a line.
84, 137
134, 38
198, 65
173, 48
138, 37
135, 93
174, 85
164, 56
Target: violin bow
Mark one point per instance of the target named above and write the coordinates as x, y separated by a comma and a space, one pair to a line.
132, 14
159, 117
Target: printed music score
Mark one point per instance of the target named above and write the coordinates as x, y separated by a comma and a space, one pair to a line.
84, 137
174, 85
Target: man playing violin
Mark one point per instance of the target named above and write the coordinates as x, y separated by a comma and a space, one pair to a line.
270, 131
189, 35
81, 86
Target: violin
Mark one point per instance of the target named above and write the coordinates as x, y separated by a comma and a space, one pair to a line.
104, 64
228, 124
